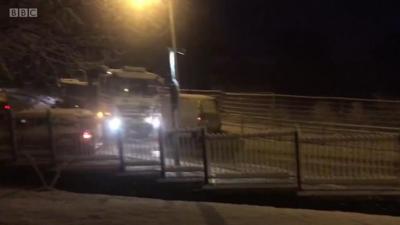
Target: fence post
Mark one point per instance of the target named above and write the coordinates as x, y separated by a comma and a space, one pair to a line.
13, 137
161, 149
80, 141
205, 156
176, 147
50, 133
120, 147
298, 159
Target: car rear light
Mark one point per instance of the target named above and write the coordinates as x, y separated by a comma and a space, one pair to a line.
7, 107
199, 118
87, 135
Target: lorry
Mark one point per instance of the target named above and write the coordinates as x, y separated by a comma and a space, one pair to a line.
139, 102
127, 97
133, 95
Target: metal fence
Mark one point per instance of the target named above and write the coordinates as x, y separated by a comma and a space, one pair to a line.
354, 161
302, 159
44, 139
277, 110
263, 155
182, 153
136, 153
6, 137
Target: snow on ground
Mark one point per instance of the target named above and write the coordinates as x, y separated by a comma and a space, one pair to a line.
18, 207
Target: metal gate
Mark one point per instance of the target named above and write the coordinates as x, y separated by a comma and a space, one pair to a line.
284, 159
267, 158
264, 158
183, 153
138, 154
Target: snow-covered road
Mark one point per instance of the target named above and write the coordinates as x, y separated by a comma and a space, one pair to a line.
57, 207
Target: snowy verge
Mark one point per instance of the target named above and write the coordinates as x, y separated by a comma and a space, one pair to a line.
59, 207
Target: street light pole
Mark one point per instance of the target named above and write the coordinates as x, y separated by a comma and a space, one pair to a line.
173, 63
173, 56
174, 67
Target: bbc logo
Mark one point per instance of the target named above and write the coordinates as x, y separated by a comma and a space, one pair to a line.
23, 12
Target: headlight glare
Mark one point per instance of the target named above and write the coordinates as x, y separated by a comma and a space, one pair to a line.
114, 124
155, 121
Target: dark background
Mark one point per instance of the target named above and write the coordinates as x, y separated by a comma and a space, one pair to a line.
336, 48
347, 48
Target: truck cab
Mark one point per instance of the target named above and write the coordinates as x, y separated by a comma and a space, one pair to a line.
132, 94
77, 94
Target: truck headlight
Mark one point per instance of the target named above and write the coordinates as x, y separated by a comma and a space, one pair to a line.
114, 124
155, 121
100, 115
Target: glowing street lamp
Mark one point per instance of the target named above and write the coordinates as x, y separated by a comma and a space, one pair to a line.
173, 60
142, 5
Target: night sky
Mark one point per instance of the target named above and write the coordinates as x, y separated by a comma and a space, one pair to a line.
318, 47
347, 48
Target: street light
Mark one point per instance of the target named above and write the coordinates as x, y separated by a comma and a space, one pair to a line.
142, 5
174, 73
173, 60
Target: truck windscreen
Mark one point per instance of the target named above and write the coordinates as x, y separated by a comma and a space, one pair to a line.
123, 86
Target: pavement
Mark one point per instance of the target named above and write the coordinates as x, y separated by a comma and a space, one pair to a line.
58, 208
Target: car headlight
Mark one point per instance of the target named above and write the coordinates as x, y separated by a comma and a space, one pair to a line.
114, 124
155, 121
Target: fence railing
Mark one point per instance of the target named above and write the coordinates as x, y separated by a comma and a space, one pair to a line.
369, 114
183, 150
43, 137
6, 137
242, 124
353, 160
304, 159
249, 155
